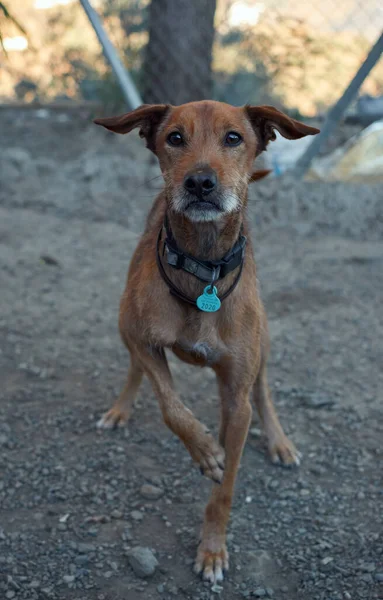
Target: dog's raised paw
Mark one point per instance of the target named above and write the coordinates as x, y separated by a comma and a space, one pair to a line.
112, 419
210, 457
211, 565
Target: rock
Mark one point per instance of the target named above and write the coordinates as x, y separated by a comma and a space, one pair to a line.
379, 577
142, 561
260, 592
126, 535
82, 559
255, 432
137, 515
108, 574
91, 167
10, 594
151, 492
116, 514
84, 547
68, 578
317, 401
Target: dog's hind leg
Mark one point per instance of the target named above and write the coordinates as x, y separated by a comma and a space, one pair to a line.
120, 412
280, 448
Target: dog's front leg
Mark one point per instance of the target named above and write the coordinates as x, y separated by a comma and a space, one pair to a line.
201, 445
212, 556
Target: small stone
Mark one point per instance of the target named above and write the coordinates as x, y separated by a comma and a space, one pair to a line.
126, 535
270, 592
216, 589
379, 577
160, 588
326, 560
255, 432
151, 492
347, 596
137, 515
108, 574
142, 561
10, 594
84, 547
68, 578
367, 578
34, 584
82, 559
317, 401
368, 567
47, 591
116, 514
260, 592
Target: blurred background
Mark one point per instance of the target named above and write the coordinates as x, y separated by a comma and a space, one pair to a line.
297, 55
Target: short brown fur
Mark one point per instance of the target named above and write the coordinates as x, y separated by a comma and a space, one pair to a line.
233, 341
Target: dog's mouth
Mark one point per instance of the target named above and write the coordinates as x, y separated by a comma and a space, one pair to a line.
203, 205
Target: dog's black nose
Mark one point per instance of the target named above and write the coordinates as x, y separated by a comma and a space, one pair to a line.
200, 183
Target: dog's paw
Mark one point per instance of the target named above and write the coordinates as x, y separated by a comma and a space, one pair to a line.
206, 452
112, 419
211, 565
283, 452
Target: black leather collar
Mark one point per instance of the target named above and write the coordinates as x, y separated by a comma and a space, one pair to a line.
205, 270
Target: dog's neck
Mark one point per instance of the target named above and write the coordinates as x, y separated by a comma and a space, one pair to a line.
209, 240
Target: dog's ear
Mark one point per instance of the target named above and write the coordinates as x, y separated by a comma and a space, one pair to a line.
147, 117
265, 119
259, 175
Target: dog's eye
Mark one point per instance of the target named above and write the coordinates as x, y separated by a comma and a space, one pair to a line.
175, 138
233, 139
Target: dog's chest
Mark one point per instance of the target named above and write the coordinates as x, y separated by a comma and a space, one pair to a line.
199, 346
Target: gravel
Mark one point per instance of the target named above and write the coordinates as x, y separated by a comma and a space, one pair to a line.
79, 196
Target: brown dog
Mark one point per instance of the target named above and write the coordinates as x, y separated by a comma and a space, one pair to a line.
206, 152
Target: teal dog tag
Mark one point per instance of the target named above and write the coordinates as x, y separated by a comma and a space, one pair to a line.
209, 301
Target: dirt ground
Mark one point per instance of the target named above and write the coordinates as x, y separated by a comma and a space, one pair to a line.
73, 199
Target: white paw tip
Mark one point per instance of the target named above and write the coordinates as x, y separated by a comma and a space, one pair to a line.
103, 424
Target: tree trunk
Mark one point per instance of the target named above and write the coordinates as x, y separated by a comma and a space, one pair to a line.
178, 57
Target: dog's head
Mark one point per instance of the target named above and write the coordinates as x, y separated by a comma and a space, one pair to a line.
206, 150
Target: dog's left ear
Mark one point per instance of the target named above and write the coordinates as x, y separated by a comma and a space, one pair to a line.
147, 117
265, 119
256, 175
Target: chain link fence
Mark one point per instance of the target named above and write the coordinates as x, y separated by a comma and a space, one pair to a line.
297, 55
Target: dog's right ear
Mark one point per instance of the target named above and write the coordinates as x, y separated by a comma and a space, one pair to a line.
147, 117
